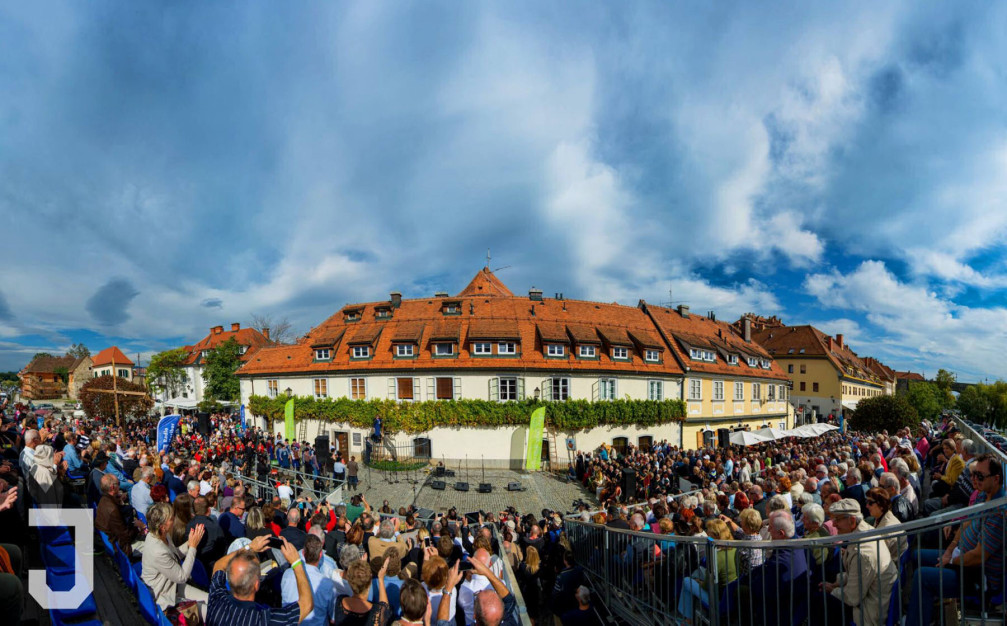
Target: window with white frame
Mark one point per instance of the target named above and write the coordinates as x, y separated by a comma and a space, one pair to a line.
556, 349
482, 348
718, 390
560, 388
321, 388
242, 349
695, 389
732, 359
123, 374
783, 392
444, 349
606, 389
361, 352
323, 354
588, 352
695, 354
739, 392
756, 392
655, 390
272, 388
508, 388
404, 388
766, 364
506, 347
405, 349
620, 353
771, 393
358, 388
652, 355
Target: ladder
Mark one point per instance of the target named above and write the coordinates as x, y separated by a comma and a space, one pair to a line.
553, 459
302, 433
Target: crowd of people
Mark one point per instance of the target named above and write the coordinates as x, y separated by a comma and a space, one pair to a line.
287, 557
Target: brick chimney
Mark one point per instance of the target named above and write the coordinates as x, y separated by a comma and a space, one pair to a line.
265, 333
839, 340
396, 299
683, 310
216, 330
235, 327
746, 329
535, 294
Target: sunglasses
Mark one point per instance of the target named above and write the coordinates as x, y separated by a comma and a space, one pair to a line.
874, 502
979, 476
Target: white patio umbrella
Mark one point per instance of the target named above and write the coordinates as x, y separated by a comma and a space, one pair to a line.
771, 434
746, 438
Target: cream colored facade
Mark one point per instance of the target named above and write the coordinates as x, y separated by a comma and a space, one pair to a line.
724, 402
820, 387
122, 371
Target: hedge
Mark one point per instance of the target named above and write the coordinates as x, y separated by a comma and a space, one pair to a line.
419, 417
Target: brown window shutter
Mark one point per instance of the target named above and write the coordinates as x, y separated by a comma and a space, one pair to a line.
405, 388
445, 389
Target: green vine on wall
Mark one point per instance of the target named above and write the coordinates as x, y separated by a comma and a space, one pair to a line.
419, 417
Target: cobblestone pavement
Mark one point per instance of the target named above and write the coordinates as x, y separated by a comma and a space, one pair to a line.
542, 491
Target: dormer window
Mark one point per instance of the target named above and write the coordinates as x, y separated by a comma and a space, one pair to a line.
652, 356
732, 359
444, 349
323, 354
405, 350
383, 314
242, 349
352, 315
698, 354
451, 308
205, 353
766, 364
482, 348
506, 347
620, 353
361, 352
588, 352
555, 349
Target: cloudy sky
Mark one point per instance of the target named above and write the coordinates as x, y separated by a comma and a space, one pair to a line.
164, 169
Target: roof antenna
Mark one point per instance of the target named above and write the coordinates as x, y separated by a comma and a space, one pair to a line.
488, 257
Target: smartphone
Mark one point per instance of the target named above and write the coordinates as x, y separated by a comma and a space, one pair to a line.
472, 518
275, 542
464, 566
426, 542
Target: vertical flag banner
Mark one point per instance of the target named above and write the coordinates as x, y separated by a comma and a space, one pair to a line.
288, 420
242, 417
533, 459
166, 428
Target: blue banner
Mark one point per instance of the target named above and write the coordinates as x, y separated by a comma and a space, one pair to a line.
242, 417
166, 431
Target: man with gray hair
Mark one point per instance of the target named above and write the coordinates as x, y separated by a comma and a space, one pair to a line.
584, 614
856, 490
386, 538
899, 506
139, 495
322, 588
774, 578
292, 532
27, 460
960, 493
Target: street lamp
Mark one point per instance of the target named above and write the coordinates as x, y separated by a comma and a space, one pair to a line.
537, 393
289, 391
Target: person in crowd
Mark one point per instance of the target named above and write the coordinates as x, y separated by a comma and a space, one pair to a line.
44, 483
292, 532
182, 511
11, 590
584, 614
94, 490
954, 463
74, 464
776, 580
235, 581
212, 545
747, 528
530, 582
139, 495
857, 485
230, 521
386, 538
693, 588
975, 551
391, 561
879, 508
863, 588
165, 569
108, 518
357, 610
435, 577
323, 589
568, 580
27, 457
901, 471
960, 493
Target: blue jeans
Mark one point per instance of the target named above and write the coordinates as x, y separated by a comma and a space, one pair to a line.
928, 583
691, 588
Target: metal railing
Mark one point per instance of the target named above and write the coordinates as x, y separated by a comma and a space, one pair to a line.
649, 578
976, 436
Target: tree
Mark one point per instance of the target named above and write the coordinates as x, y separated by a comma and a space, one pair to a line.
98, 405
884, 413
63, 373
280, 330
944, 382
219, 367
78, 351
40, 354
974, 403
165, 373
925, 398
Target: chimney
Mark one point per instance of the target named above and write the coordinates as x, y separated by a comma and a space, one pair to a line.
535, 294
216, 330
265, 333
235, 327
832, 344
441, 294
839, 340
746, 329
396, 299
712, 316
683, 310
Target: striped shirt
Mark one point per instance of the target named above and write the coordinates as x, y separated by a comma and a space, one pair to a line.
223, 609
990, 532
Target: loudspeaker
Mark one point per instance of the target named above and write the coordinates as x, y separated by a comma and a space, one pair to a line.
439, 471
423, 514
461, 486
629, 483
322, 450
203, 425
449, 473
723, 437
439, 485
513, 486
485, 488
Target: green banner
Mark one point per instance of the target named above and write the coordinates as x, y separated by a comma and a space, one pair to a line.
288, 420
533, 460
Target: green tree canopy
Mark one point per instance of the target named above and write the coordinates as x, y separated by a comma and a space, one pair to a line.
974, 403
884, 413
78, 351
943, 383
38, 354
165, 373
218, 371
925, 398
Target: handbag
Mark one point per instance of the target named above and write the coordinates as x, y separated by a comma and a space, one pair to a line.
185, 613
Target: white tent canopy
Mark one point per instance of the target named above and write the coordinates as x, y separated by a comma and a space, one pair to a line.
750, 438
181, 403
746, 438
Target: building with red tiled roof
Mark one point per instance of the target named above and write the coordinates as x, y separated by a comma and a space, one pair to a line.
112, 360
43, 378
883, 372
191, 393
487, 343
827, 375
903, 379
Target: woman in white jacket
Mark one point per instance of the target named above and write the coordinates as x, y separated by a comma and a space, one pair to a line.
166, 569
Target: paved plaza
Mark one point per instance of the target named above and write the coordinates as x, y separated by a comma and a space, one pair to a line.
542, 491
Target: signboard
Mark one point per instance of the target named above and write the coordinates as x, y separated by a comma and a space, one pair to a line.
242, 411
166, 428
288, 420
533, 460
